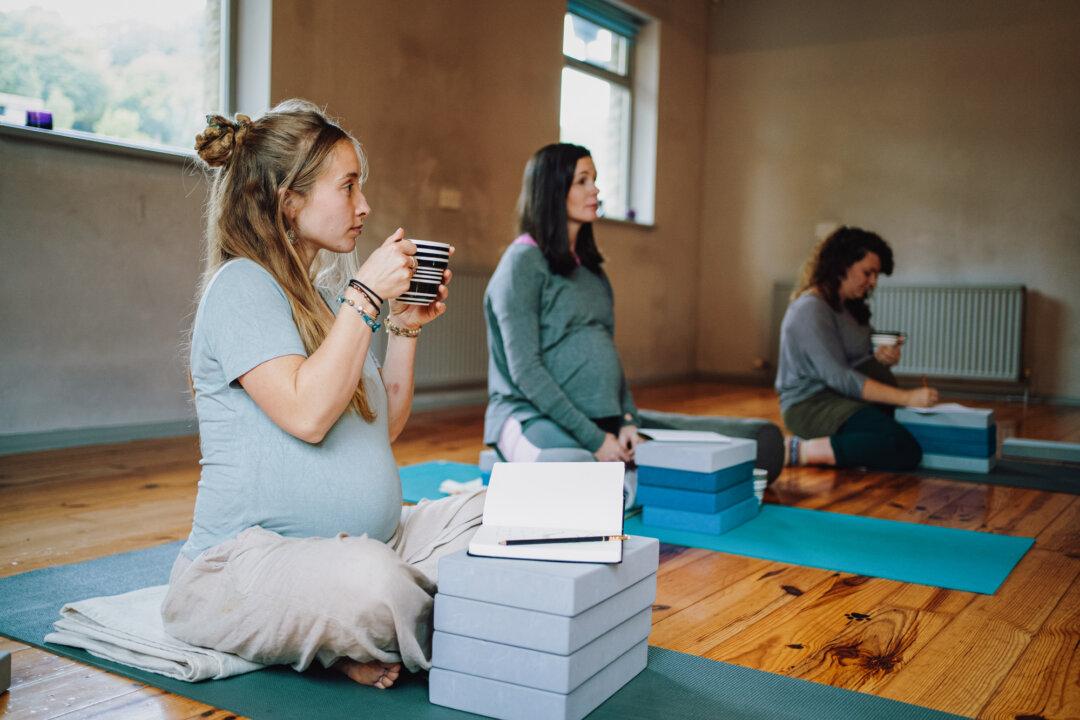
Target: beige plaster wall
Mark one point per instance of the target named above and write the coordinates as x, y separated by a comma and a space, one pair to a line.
458, 95
100, 259
953, 129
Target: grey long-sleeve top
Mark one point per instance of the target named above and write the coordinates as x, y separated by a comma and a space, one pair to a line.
819, 348
551, 348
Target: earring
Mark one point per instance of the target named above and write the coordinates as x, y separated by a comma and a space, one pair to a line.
291, 236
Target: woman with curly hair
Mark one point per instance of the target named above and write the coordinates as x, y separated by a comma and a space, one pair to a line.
300, 549
836, 391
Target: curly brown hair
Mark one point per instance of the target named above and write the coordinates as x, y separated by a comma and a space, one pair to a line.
829, 263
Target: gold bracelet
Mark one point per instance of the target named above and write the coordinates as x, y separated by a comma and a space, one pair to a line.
391, 327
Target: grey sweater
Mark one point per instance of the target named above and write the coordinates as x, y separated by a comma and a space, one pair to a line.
819, 348
551, 348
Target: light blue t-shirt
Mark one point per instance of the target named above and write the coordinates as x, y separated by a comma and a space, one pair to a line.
255, 473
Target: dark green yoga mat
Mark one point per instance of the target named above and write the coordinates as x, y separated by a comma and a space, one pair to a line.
909, 552
1018, 473
675, 686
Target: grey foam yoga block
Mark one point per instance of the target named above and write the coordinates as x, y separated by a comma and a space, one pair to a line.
957, 463
1041, 450
710, 523
5, 671
541, 631
700, 457
969, 418
552, 587
703, 502
535, 669
507, 701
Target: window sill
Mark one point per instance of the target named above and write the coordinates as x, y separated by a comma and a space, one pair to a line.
627, 223
89, 141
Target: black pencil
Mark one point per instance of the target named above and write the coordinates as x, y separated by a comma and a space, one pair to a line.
543, 541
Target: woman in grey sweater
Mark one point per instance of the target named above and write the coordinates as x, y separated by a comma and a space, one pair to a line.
835, 388
557, 391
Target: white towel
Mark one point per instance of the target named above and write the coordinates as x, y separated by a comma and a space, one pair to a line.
127, 629
456, 487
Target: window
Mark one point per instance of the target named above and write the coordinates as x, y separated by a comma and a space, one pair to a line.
597, 104
142, 72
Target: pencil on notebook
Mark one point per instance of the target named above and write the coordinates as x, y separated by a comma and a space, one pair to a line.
543, 541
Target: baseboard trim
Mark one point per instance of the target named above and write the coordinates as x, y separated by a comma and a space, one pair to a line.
101, 435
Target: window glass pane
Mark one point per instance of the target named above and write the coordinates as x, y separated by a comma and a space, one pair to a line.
143, 72
596, 113
588, 42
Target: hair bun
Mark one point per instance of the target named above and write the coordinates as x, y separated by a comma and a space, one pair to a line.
215, 144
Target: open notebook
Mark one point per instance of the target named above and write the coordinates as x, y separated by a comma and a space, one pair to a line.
542, 500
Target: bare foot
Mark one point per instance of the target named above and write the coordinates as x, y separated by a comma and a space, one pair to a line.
374, 673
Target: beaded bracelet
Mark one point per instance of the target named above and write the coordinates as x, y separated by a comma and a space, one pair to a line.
391, 327
368, 320
373, 296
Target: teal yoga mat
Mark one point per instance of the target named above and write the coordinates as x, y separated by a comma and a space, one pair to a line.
908, 552
675, 686
419, 482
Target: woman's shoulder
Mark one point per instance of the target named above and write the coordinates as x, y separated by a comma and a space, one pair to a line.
522, 257
241, 276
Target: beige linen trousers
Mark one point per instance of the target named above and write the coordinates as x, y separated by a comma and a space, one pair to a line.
277, 600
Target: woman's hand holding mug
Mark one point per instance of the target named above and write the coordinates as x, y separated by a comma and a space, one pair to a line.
389, 269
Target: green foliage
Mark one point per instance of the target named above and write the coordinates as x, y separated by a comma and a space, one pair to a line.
129, 79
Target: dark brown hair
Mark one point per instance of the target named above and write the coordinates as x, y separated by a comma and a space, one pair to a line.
829, 264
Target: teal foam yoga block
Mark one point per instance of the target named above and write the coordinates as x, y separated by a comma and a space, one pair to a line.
507, 701
966, 418
700, 457
963, 442
710, 523
535, 669
534, 630
551, 587
931, 461
701, 502
695, 481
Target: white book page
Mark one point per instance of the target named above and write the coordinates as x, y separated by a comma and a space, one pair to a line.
567, 496
534, 500
683, 436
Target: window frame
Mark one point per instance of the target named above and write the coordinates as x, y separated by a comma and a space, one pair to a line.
627, 82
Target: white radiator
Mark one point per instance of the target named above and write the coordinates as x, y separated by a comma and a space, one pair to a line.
967, 332
453, 348
956, 332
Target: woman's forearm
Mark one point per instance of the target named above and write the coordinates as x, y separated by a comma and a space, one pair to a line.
879, 392
398, 374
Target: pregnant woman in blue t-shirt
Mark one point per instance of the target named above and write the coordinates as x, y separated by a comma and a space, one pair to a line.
299, 548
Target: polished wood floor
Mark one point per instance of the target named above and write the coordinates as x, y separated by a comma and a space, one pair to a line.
1013, 655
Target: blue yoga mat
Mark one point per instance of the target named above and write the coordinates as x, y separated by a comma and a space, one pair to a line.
420, 482
908, 552
674, 686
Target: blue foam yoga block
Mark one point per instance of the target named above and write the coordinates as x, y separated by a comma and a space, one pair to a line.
711, 523
695, 481
694, 501
535, 669
931, 461
943, 433
507, 701
551, 587
967, 418
534, 630
700, 457
965, 442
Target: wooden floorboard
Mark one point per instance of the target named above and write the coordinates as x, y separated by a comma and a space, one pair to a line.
1015, 654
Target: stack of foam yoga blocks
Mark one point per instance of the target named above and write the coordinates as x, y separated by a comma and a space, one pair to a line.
700, 487
963, 440
525, 639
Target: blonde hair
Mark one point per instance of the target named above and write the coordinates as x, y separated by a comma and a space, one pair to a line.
251, 163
